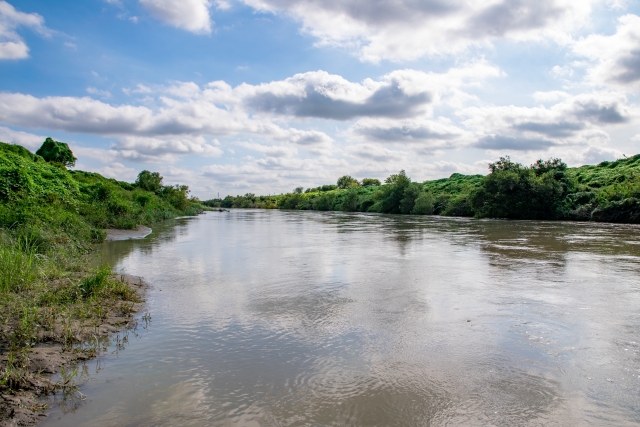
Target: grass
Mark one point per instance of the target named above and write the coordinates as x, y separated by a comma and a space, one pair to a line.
50, 219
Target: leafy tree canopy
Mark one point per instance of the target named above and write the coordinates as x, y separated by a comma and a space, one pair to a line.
56, 152
150, 181
370, 182
347, 182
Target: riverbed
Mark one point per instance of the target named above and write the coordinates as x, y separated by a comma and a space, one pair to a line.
278, 318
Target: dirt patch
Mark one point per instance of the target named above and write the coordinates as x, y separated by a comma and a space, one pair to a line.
139, 233
36, 365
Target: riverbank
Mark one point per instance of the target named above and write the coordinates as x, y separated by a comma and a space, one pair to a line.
60, 345
54, 308
549, 190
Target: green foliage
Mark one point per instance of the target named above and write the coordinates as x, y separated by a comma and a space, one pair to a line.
517, 192
370, 182
350, 201
548, 189
324, 202
391, 198
56, 152
424, 204
347, 182
94, 283
150, 181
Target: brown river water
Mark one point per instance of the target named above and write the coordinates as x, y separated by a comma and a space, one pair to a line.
276, 318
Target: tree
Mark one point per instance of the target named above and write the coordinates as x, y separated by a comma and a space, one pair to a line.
409, 196
518, 192
350, 201
150, 181
388, 198
56, 152
370, 182
424, 204
298, 190
347, 182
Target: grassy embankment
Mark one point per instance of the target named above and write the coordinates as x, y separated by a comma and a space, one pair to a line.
50, 218
607, 192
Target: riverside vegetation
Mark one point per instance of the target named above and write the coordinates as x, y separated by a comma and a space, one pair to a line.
50, 218
549, 190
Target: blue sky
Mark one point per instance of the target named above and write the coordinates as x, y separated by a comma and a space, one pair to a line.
262, 96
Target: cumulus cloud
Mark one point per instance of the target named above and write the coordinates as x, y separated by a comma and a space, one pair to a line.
167, 149
118, 171
402, 93
409, 29
615, 58
190, 15
574, 121
376, 152
12, 46
29, 140
270, 150
421, 130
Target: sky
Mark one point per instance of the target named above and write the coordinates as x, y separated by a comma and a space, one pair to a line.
263, 96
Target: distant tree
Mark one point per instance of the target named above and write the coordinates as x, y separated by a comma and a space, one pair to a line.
150, 181
324, 202
409, 196
424, 204
400, 176
391, 198
298, 190
370, 182
347, 182
350, 201
328, 187
504, 164
519, 192
56, 152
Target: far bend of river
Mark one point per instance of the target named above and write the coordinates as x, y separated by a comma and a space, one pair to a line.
276, 318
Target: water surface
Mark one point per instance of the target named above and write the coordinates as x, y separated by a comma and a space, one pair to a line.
275, 318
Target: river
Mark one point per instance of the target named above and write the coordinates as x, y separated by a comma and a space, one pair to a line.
278, 318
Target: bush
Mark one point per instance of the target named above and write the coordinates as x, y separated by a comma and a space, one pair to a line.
347, 182
56, 152
350, 201
324, 202
424, 204
150, 181
370, 182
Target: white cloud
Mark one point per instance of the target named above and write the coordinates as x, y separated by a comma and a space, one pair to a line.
409, 29
550, 96
190, 15
376, 153
636, 138
118, 171
167, 149
270, 150
12, 46
615, 58
29, 140
402, 93
575, 121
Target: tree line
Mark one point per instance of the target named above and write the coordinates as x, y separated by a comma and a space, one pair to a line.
546, 189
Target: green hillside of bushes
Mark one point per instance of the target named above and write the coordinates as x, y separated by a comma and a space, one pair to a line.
608, 192
49, 219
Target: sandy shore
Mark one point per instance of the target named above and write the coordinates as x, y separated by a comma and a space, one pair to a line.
25, 407
138, 233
